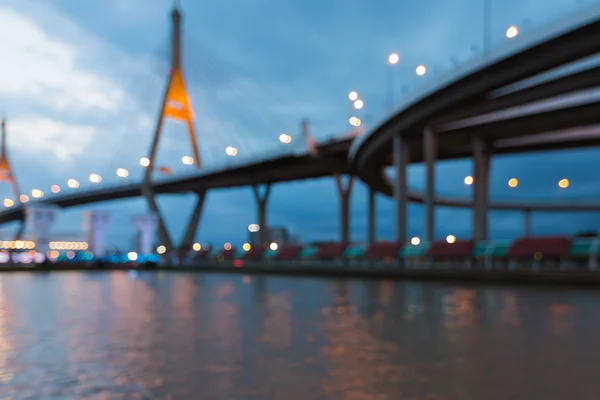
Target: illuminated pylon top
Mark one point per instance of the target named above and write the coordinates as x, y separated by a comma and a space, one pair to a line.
176, 102
6, 173
5, 170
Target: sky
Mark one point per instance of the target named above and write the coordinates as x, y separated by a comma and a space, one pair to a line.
81, 84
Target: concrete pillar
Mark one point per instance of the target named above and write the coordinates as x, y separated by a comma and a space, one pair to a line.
481, 162
430, 157
96, 224
261, 202
146, 225
527, 223
344, 192
41, 219
192, 228
371, 222
401, 154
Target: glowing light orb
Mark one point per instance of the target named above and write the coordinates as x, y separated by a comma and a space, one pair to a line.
253, 228
415, 241
421, 70
144, 161
468, 180
512, 32
122, 173
231, 151
451, 239
273, 246
353, 96
95, 178
393, 58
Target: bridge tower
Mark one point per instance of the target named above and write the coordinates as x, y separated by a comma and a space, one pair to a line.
175, 105
7, 174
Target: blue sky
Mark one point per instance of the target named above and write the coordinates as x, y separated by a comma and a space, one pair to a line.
81, 84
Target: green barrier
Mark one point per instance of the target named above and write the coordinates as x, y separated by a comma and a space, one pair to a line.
491, 249
585, 247
355, 251
413, 251
308, 252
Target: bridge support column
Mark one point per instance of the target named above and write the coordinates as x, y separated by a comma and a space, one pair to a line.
481, 161
96, 224
192, 227
527, 223
400, 152
344, 192
261, 202
371, 222
430, 157
41, 220
163, 233
145, 225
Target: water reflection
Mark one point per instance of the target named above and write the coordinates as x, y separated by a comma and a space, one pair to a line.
188, 336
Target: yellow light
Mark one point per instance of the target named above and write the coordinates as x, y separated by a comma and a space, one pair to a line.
415, 241
563, 183
231, 151
273, 246
19, 244
285, 138
8, 203
468, 180
253, 228
161, 249
95, 178
358, 104
393, 58
37, 193
122, 173
355, 121
513, 182
144, 161
187, 160
246, 247
512, 32
451, 239
73, 183
421, 70
197, 247
353, 96
23, 198
227, 246
55, 188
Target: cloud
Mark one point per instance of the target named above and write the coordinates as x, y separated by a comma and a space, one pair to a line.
45, 69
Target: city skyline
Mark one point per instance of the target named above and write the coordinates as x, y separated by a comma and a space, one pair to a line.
55, 113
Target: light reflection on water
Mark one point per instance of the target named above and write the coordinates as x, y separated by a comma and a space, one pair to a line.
111, 335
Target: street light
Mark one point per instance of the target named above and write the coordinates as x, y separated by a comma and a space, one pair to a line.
144, 161
468, 180
353, 95
231, 151
512, 32
73, 183
358, 104
393, 58
451, 239
95, 178
122, 173
513, 182
421, 70
55, 189
354, 121
563, 183
285, 138
187, 160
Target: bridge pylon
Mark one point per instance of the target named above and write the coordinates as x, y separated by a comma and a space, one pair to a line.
175, 105
7, 174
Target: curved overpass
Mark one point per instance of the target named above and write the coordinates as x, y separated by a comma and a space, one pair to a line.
332, 160
460, 105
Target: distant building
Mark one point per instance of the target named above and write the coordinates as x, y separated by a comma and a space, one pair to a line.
278, 235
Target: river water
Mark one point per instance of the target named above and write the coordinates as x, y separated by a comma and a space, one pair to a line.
160, 335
